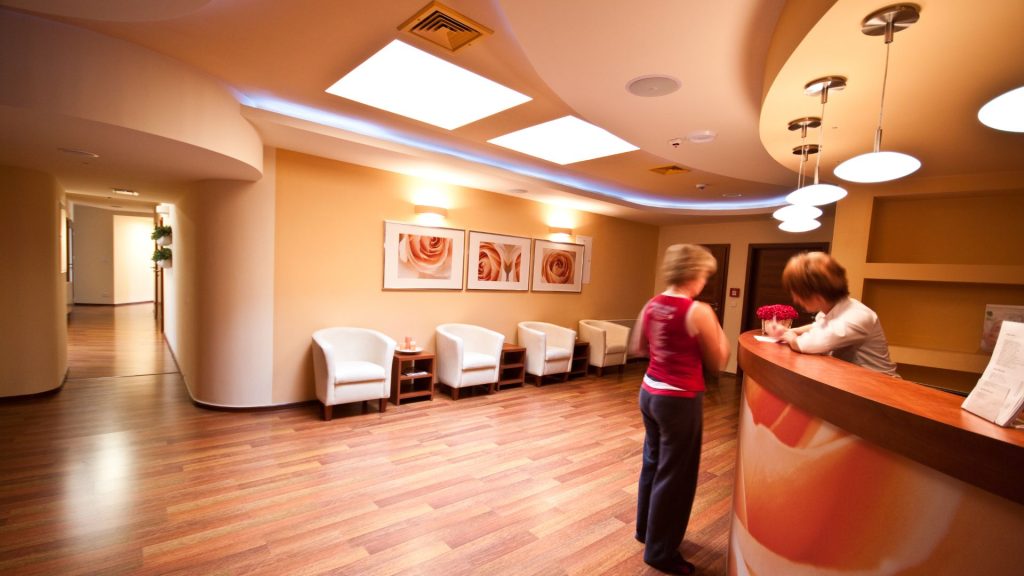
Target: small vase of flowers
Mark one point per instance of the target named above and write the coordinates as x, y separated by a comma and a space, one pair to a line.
776, 319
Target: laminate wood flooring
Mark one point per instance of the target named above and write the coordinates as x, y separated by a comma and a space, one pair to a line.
124, 475
116, 341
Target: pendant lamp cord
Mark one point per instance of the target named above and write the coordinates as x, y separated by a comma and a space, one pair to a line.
889, 32
821, 132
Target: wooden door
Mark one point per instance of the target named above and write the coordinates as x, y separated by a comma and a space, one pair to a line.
765, 263
714, 291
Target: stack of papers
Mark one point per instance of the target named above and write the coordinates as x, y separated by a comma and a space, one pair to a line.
999, 394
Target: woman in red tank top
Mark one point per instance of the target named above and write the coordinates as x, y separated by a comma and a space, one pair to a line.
681, 337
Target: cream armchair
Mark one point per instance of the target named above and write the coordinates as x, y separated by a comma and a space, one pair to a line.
352, 365
467, 355
548, 348
608, 343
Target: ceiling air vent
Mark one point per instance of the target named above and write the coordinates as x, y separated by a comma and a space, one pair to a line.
672, 169
444, 27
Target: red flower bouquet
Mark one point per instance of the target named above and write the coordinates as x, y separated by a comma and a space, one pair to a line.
776, 319
778, 311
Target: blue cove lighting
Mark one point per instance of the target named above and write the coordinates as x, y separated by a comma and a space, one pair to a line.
373, 130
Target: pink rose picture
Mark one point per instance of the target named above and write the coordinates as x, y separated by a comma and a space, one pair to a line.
558, 266
488, 268
496, 262
499, 262
424, 256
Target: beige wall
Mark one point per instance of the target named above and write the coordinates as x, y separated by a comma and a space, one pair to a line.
329, 263
112, 256
33, 319
928, 254
220, 290
739, 235
133, 264
94, 255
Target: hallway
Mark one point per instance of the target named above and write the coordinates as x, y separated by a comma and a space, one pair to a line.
108, 341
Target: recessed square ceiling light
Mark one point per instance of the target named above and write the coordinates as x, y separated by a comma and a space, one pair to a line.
564, 141
417, 85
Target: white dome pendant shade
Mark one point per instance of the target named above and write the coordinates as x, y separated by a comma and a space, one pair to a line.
878, 166
799, 225
874, 167
1004, 112
816, 195
796, 212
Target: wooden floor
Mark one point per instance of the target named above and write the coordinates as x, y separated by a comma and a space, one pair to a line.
124, 475
116, 341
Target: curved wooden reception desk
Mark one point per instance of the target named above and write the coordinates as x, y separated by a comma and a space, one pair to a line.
842, 470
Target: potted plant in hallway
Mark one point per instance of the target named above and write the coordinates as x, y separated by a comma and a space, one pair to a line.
162, 257
162, 235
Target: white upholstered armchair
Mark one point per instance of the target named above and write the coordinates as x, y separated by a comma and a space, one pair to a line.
608, 343
352, 365
467, 355
548, 348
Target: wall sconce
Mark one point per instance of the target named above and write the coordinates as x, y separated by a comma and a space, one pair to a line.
434, 210
560, 233
879, 166
163, 208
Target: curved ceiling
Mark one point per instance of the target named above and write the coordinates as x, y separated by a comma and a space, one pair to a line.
741, 65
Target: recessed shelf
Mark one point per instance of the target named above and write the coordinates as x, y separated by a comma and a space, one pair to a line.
965, 273
947, 360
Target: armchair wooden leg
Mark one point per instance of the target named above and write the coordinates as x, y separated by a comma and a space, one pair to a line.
491, 387
366, 407
327, 412
455, 393
383, 405
600, 371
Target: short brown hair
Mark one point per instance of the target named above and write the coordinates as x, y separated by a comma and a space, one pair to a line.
815, 274
685, 262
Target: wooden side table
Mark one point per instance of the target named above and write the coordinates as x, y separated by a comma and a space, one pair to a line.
580, 359
412, 376
512, 366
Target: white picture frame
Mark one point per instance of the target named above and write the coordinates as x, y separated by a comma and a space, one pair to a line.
498, 262
423, 257
557, 266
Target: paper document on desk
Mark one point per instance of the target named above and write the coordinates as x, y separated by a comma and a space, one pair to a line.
999, 394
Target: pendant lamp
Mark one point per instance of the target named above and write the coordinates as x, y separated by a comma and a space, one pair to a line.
1004, 112
800, 218
819, 194
799, 225
882, 166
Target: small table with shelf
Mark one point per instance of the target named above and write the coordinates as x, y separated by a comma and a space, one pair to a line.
511, 367
412, 376
580, 359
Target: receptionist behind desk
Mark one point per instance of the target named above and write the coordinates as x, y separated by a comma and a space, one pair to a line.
844, 327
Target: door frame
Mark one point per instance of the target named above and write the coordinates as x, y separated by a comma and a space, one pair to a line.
748, 303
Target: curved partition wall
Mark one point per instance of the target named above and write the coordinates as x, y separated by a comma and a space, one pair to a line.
842, 470
33, 337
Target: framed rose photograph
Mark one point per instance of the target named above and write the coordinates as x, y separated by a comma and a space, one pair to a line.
423, 257
498, 262
557, 266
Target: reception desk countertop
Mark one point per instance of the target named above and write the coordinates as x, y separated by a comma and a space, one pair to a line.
921, 423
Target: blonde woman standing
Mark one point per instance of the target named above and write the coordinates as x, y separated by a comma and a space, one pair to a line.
680, 336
